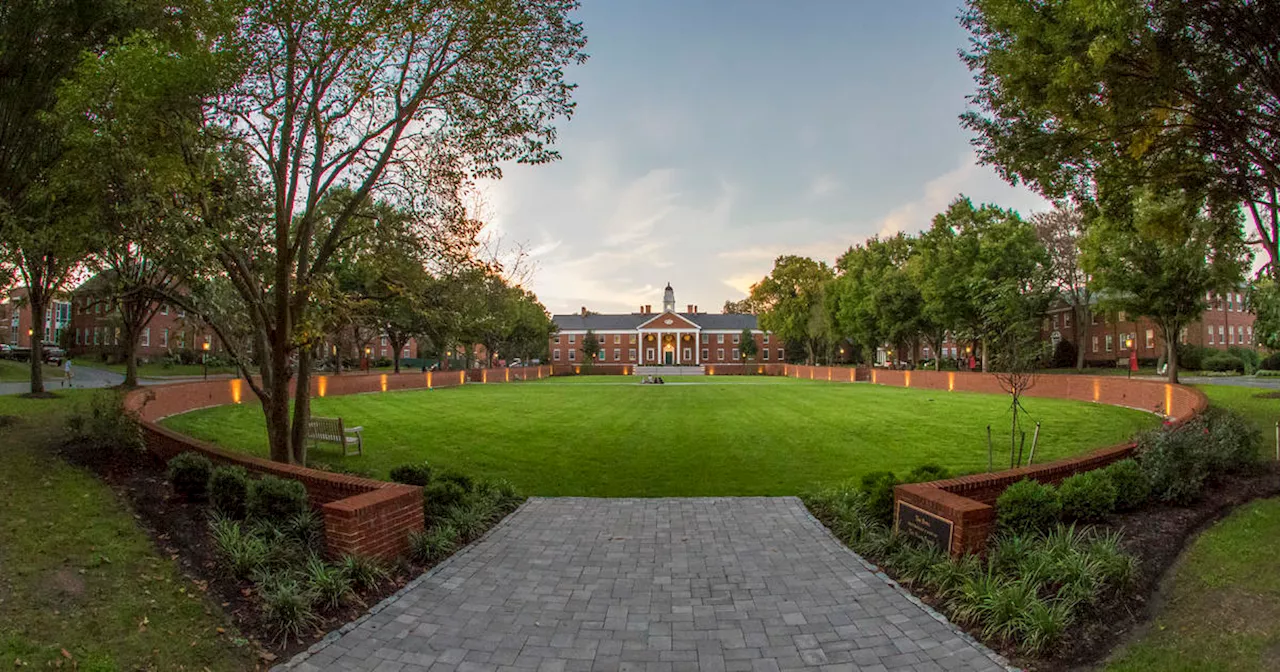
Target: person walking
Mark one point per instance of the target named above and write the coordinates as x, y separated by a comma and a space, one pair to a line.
67, 373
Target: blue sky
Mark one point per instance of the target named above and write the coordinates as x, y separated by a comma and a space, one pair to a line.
711, 137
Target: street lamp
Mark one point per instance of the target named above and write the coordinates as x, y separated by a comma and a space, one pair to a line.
1128, 345
204, 359
367, 353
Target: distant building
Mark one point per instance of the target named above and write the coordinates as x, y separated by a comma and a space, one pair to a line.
15, 319
669, 337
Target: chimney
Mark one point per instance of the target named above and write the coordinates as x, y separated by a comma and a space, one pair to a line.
690, 308
642, 310
647, 309
695, 308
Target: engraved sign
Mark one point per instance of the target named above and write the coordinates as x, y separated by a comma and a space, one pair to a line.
924, 526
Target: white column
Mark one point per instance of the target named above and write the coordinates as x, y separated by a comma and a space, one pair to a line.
697, 352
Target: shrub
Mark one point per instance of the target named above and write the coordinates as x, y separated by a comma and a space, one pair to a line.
1233, 442
462, 480
306, 528
228, 490
1064, 355
340, 469
1042, 624
105, 425
242, 553
1132, 488
1002, 608
189, 474
1191, 357
1222, 361
879, 488
1087, 497
276, 500
1250, 357
288, 608
927, 472
1117, 570
440, 496
364, 572
1271, 362
330, 584
1175, 462
1027, 507
433, 545
1267, 373
470, 518
412, 474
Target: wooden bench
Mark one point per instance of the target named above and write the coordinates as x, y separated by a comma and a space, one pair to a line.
330, 430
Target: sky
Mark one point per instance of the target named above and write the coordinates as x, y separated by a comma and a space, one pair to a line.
711, 137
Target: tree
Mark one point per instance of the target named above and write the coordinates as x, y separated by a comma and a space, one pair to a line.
1064, 89
340, 104
43, 236
1059, 231
742, 307
590, 348
1159, 253
874, 300
788, 298
748, 346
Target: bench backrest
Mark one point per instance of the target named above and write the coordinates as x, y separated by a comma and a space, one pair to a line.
324, 426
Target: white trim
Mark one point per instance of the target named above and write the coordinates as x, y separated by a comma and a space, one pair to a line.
645, 324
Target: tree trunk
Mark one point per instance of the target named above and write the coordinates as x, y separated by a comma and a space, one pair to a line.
301, 407
130, 358
37, 302
395, 356
1171, 355
1082, 319
276, 405
984, 354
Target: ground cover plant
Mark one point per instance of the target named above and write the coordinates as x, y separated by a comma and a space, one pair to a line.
80, 576
721, 435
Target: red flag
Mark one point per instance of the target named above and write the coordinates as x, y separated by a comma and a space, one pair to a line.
1133, 360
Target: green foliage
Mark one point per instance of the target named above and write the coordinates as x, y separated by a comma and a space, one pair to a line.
330, 584
412, 474
590, 348
229, 490
879, 488
1267, 373
1130, 481
106, 426
433, 545
1223, 361
1027, 507
364, 572
470, 518
1087, 497
789, 298
276, 500
463, 481
288, 607
189, 474
440, 496
1191, 356
928, 472
242, 553
1043, 624
306, 528
1179, 460
1233, 442
1271, 363
1250, 357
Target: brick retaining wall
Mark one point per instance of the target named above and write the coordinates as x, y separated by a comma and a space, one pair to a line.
361, 516
967, 502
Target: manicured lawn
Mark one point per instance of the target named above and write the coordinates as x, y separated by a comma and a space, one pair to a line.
1223, 611
20, 372
608, 436
76, 574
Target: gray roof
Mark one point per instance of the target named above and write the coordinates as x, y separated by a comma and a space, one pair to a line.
631, 321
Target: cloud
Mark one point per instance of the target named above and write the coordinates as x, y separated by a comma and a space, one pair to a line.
824, 185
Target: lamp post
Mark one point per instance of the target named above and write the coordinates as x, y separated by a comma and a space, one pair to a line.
204, 359
1128, 345
367, 353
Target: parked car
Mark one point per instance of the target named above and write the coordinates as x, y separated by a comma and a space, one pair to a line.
6, 350
53, 354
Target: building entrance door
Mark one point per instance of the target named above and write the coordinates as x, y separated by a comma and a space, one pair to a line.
668, 357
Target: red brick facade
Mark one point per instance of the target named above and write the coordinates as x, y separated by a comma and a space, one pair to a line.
15, 319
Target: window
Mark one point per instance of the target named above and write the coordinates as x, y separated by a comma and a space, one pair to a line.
1231, 335
182, 339
719, 338
97, 309
1239, 302
780, 355
688, 355
631, 354
736, 338
1109, 343
603, 355
382, 352
1221, 339
1182, 335
617, 338
1093, 319
1151, 338
97, 335
1095, 343
1055, 321
405, 352
648, 354
164, 338
383, 343
1066, 320
117, 337
1121, 317
573, 338
573, 354
720, 354
77, 337
765, 354
555, 354
146, 337
766, 338
1211, 334
164, 309
557, 339
617, 354
735, 354
706, 354
182, 313
706, 338
633, 342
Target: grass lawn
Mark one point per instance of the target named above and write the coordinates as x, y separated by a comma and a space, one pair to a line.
610, 437
76, 574
156, 369
20, 372
1223, 611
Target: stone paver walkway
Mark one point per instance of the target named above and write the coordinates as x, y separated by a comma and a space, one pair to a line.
748, 584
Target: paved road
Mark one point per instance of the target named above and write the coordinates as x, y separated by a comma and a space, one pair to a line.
89, 377
651, 584
1234, 381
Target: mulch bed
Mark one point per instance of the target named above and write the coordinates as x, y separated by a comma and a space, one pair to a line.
1156, 535
179, 529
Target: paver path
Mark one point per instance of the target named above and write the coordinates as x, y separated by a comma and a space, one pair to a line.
652, 584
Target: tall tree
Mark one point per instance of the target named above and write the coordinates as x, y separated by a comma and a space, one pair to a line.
1059, 231
1159, 253
748, 345
1065, 88
787, 299
43, 235
590, 348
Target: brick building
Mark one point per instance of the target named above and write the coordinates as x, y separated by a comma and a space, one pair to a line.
643, 338
1226, 323
15, 319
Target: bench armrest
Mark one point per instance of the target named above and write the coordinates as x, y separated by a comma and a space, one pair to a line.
357, 430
